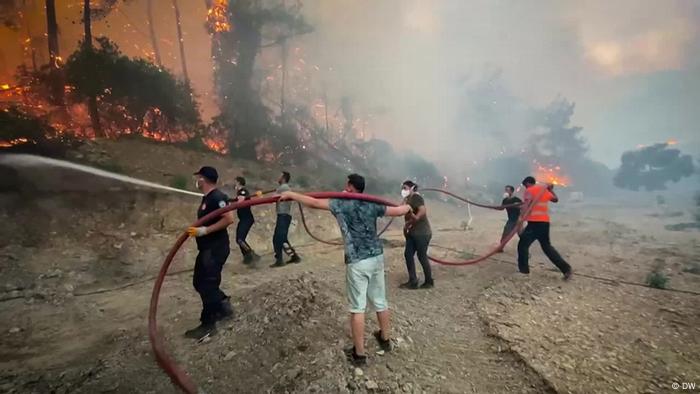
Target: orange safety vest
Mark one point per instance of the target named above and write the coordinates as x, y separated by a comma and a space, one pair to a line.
540, 211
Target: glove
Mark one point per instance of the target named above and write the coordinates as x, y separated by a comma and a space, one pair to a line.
196, 231
259, 193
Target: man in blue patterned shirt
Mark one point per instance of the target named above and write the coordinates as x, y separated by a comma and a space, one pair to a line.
364, 260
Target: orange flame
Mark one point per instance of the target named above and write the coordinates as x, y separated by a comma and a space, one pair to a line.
672, 142
217, 18
551, 174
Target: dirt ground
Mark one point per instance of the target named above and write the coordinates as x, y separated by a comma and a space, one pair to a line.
77, 271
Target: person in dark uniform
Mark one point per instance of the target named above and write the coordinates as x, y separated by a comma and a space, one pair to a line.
245, 222
213, 245
418, 234
513, 212
280, 239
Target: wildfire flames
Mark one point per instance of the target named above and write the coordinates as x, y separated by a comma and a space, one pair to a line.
216, 16
550, 174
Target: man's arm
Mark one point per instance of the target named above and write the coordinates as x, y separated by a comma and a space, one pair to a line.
554, 197
306, 200
397, 211
225, 221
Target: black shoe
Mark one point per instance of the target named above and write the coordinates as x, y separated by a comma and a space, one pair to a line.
201, 331
409, 285
247, 258
254, 257
356, 359
568, 274
226, 312
384, 344
427, 285
278, 263
295, 259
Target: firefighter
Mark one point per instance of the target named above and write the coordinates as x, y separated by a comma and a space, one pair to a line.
538, 227
213, 245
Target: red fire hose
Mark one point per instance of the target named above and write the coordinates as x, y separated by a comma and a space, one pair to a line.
177, 375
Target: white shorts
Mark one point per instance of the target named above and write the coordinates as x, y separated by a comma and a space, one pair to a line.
364, 280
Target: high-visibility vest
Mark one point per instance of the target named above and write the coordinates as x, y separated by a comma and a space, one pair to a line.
540, 211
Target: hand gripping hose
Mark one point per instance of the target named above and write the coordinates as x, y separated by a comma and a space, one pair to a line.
496, 249
178, 376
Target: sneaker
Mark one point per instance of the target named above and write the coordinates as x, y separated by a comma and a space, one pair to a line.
278, 263
201, 331
354, 358
427, 285
226, 312
295, 259
568, 274
384, 344
409, 285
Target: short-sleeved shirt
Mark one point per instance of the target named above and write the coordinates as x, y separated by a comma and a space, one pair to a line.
212, 201
244, 213
283, 207
358, 225
422, 226
513, 213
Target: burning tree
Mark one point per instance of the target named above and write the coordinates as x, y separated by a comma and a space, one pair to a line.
238, 29
138, 96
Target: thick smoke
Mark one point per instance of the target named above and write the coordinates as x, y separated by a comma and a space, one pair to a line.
652, 167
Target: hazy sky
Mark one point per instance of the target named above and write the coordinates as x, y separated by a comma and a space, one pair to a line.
631, 66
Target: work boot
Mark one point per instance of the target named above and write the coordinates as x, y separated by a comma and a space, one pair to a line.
354, 358
568, 274
254, 257
278, 263
409, 285
384, 344
201, 331
295, 259
429, 284
226, 312
247, 258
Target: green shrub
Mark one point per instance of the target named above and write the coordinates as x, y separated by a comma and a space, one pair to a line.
179, 182
657, 280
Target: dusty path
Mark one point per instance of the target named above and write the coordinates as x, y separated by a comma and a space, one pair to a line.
443, 346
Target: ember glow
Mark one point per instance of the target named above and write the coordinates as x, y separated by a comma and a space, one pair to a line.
550, 174
216, 17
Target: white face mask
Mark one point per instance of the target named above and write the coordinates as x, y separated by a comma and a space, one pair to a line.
405, 193
196, 183
506, 195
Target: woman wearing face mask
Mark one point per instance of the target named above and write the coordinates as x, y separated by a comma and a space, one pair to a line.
417, 232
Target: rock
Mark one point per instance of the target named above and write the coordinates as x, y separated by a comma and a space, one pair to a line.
15, 330
133, 234
69, 287
371, 385
230, 355
117, 246
358, 372
293, 373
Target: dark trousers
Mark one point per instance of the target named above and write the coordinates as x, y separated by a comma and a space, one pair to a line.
417, 244
538, 231
508, 228
281, 234
207, 278
242, 230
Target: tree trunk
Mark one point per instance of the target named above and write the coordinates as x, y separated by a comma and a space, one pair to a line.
54, 57
152, 31
92, 100
181, 41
